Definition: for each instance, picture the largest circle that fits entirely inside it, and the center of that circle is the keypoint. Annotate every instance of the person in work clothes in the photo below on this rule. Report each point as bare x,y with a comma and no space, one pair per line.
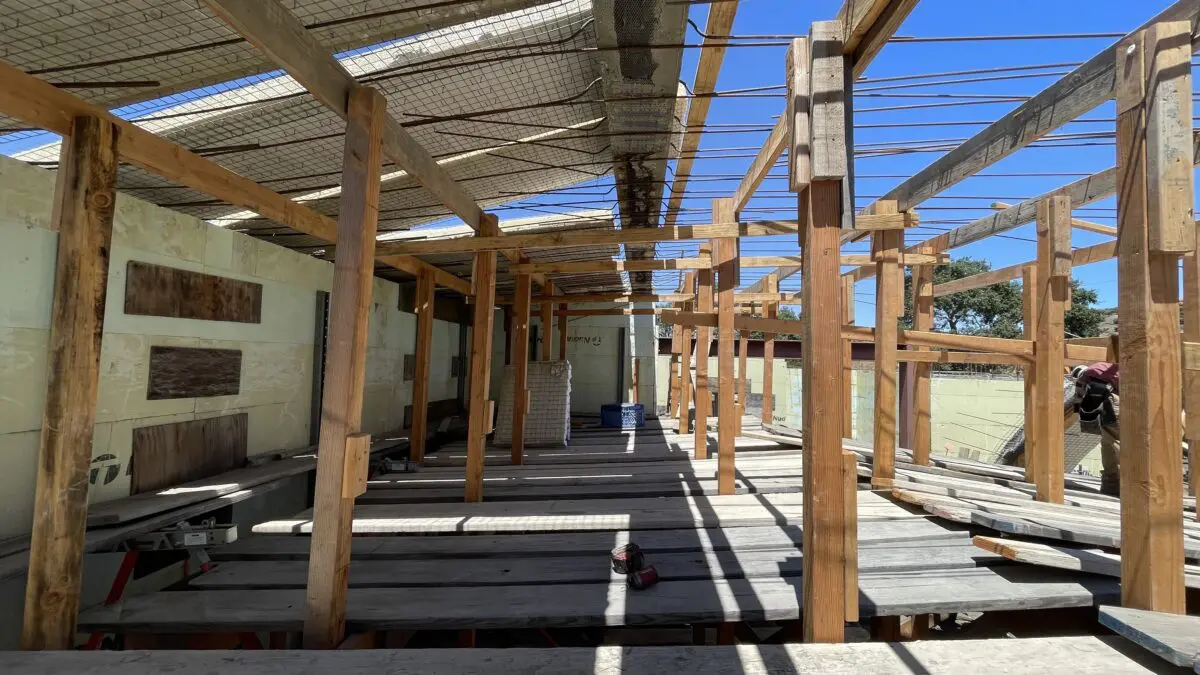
1096,386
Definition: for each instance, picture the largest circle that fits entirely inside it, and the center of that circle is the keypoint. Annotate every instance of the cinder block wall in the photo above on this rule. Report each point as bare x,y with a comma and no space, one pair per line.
277,354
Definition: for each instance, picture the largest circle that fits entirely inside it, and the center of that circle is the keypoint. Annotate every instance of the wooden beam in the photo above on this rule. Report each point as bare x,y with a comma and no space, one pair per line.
725,253
85,199
1085,225
867,25
519,341
280,36
742,361
885,246
824,579
345,366
1077,93
768,377
1191,377
925,358
704,305
1079,257
761,166
685,360
1148,313
922,303
546,320
415,266
562,332
798,114
1029,315
483,279
422,357
712,53
1053,293
592,266
918,338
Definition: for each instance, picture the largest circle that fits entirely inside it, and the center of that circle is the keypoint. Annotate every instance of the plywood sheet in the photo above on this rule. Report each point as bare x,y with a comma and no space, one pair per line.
169,454
191,372
155,290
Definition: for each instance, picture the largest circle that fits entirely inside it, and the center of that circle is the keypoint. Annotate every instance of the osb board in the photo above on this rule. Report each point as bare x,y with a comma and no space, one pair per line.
154,290
169,454
191,372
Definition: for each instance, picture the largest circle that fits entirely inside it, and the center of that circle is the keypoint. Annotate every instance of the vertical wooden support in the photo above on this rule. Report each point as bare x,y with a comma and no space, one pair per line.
345,365
1029,304
685,361
885,245
673,374
85,196
725,257
850,537
424,352
743,357
1153,122
546,320
562,332
922,443
848,359
704,303
1191,378
824,536
483,283
520,351
1053,291
768,377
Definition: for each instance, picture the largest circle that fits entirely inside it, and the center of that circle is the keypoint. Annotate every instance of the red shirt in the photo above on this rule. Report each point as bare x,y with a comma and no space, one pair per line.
1104,372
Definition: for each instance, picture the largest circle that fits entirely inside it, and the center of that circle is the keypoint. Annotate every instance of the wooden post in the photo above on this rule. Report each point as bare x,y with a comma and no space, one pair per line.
1191,378
685,360
885,245
424,352
562,332
768,378
85,196
922,288
673,374
850,508
824,535
848,359
1053,291
725,259
520,351
1154,116
704,303
345,366
743,356
1029,304
483,282
546,319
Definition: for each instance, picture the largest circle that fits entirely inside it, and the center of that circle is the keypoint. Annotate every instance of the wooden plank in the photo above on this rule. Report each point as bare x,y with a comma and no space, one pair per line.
847,360
704,305
283,39
580,605
768,376
945,340
885,246
423,355
712,52
1085,88
415,266
165,455
1151,386
799,114
853,563
868,25
725,253
1174,638
1084,654
767,155
1191,376
85,198
1029,309
519,344
1169,173
981,280
922,302
545,328
562,332
345,364
589,266
483,278
193,372
155,290
827,112
1091,560
687,335
358,451
1054,292
1076,223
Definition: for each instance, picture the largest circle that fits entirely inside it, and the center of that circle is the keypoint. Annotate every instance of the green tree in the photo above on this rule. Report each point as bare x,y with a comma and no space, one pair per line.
993,310
1084,318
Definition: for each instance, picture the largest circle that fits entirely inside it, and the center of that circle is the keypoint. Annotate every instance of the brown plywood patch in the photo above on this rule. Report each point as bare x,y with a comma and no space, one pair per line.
154,290
190,372
170,454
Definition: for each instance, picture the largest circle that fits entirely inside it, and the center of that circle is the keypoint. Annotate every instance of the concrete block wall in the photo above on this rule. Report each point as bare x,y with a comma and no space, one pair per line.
277,354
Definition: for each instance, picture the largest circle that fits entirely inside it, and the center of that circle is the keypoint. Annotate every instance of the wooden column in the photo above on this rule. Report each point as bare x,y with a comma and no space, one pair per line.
922,442
743,349
519,346
424,352
85,196
768,378
885,245
820,169
725,253
1154,215
673,374
1029,303
848,359
345,365
1053,291
547,326
704,303
483,283
685,360
1191,378
562,332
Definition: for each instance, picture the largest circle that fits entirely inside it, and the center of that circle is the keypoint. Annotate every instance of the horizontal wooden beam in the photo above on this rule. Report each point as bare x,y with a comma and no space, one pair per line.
773,326
610,311
707,319
975,358
767,155
600,266
441,277
867,25
1080,256
45,106
918,338
1076,223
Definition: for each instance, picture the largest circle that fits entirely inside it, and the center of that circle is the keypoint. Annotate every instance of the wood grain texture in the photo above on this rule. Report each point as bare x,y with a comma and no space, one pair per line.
1151,378
85,198
1174,638
166,455
827,112
703,403
1029,304
768,377
797,119
345,364
1054,293
1169,174
483,279
192,372
1090,560
562,332
824,515
885,246
847,359
922,284
685,361
155,290
724,251
546,327
519,346
423,356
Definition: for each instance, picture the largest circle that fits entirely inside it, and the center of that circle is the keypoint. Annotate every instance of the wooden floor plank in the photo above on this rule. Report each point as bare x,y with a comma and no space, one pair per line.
1092,561
1174,637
